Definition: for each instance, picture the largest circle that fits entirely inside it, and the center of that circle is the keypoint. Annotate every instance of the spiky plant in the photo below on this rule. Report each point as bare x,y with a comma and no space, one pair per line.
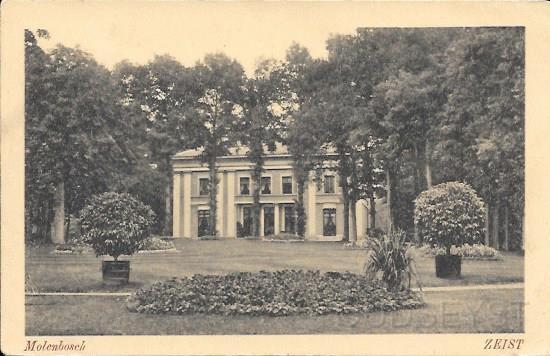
391,260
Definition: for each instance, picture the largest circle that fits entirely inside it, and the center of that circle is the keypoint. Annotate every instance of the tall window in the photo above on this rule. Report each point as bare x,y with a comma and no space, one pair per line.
245,185
289,219
329,184
203,222
287,185
203,186
266,185
329,222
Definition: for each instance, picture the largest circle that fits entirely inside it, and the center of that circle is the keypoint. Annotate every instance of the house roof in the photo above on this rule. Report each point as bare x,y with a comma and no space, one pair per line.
236,151
242,150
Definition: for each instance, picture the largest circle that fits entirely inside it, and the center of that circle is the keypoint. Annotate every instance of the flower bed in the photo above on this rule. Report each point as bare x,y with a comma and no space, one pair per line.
70,248
283,237
155,243
278,293
467,251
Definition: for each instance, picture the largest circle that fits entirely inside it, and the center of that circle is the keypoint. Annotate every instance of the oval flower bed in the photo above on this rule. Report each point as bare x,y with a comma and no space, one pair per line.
277,293
154,244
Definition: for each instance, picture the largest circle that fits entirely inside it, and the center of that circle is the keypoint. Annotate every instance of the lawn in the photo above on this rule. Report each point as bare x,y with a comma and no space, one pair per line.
473,311
77,273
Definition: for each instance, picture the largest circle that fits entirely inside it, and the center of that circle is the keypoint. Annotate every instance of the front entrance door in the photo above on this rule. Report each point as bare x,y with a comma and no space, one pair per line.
289,219
247,221
203,222
269,220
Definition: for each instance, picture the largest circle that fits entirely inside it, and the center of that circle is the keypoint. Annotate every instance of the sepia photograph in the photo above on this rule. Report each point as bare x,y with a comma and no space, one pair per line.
207,176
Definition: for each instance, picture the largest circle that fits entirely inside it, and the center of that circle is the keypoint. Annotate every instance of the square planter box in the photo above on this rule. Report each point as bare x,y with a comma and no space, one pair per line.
115,272
448,266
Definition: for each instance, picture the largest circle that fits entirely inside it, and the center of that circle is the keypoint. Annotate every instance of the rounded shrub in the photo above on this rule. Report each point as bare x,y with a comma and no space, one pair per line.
116,224
450,214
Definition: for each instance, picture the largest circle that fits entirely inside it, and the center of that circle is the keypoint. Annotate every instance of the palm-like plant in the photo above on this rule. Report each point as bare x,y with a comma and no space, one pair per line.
391,260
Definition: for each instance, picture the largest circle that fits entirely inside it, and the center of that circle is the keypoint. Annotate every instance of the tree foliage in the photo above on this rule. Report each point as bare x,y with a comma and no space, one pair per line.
450,214
116,224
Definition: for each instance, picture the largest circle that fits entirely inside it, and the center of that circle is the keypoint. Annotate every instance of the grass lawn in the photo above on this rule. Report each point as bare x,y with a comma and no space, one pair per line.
473,311
78,273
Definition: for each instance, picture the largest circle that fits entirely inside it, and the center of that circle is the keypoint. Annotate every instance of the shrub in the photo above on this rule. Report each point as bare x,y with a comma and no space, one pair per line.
390,259
154,243
449,214
115,224
270,293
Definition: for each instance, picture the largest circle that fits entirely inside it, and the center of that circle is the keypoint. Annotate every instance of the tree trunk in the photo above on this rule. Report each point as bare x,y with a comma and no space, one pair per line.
67,233
372,214
256,207
58,223
167,230
300,211
496,226
418,174
506,231
389,201
428,165
213,204
353,225
345,195
487,225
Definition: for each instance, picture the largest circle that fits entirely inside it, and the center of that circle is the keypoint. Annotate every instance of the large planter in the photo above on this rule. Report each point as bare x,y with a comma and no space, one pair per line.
448,266
115,272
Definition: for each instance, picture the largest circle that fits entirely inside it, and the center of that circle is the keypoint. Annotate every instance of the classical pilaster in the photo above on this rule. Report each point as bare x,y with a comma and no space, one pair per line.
187,204
277,227
231,220
176,207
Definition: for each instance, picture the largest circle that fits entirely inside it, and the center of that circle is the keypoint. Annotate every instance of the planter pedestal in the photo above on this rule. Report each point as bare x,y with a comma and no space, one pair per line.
115,272
448,266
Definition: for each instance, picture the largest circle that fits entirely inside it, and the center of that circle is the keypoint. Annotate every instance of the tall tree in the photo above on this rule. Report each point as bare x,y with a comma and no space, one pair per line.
73,138
156,97
265,104
484,122
220,81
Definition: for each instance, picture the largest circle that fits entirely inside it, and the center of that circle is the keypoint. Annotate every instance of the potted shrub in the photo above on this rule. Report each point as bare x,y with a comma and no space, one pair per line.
116,224
449,215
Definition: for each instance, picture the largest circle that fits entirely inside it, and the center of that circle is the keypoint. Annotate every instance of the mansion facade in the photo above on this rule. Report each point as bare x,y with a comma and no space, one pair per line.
323,201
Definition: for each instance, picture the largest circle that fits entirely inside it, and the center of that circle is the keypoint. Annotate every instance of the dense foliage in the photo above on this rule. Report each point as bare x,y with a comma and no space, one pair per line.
278,293
402,109
450,214
116,224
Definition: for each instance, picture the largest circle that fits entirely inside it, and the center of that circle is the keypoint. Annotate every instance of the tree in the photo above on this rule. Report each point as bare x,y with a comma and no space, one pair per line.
156,98
483,124
219,80
265,103
73,138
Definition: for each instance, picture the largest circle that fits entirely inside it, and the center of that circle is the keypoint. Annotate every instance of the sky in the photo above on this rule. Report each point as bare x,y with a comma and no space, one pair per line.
188,31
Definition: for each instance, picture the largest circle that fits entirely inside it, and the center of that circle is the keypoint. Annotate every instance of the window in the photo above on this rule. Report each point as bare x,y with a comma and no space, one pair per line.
204,222
244,227
329,184
203,186
266,185
287,185
329,222
289,219
245,185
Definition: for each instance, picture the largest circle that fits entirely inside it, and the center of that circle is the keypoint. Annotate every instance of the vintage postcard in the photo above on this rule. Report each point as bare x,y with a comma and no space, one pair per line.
321,178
